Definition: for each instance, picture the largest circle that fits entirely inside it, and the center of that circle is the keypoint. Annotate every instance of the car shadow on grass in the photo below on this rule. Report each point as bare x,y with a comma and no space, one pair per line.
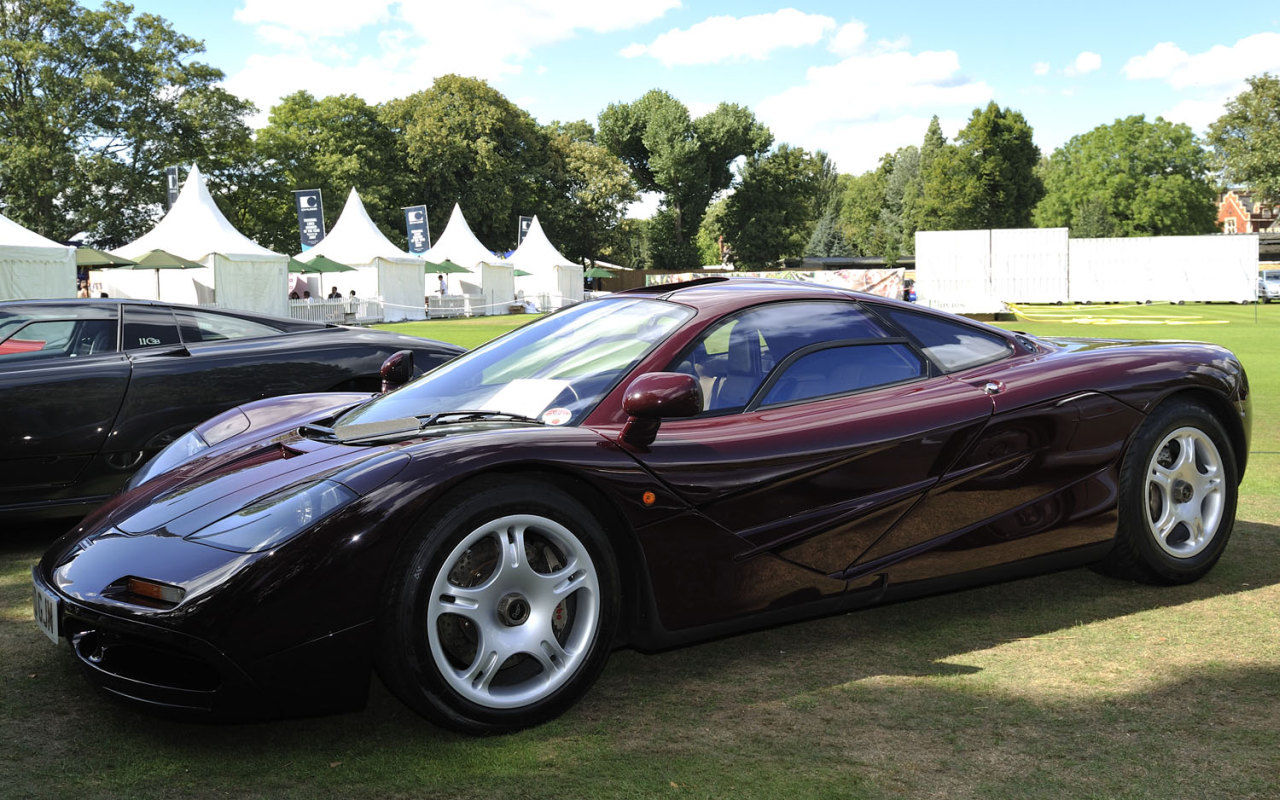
1062,684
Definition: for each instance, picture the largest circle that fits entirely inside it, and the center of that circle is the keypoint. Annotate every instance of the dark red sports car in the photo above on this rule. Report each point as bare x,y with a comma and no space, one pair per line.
653,468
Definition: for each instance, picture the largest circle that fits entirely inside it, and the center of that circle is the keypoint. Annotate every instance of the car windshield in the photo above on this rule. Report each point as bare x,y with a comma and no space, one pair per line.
554,370
1271,275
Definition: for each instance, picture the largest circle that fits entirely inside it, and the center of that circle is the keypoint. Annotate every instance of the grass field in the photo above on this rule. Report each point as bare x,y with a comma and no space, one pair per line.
465,332
1066,685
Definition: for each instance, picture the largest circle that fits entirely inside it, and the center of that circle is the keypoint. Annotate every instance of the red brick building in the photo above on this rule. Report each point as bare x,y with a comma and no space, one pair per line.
1238,212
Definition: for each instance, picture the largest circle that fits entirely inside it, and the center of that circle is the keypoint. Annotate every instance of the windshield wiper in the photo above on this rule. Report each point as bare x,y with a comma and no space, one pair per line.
448,417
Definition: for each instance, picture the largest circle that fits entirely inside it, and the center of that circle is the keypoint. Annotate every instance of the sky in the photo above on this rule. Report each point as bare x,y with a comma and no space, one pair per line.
853,79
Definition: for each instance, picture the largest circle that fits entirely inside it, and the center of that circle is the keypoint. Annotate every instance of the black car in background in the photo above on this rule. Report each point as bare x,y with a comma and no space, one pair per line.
90,389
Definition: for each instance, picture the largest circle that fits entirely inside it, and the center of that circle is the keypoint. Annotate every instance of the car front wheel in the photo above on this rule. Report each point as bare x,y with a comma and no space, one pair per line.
503,610
1178,491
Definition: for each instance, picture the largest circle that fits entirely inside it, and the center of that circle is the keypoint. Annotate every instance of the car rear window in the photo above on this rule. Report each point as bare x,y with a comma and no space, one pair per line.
203,326
953,345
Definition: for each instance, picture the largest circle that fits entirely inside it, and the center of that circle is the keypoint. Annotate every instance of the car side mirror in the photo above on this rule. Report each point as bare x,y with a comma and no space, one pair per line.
655,396
397,370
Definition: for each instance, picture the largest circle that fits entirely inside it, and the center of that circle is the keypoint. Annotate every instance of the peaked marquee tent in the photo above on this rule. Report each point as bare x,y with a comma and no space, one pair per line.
381,269
553,281
491,278
32,266
239,273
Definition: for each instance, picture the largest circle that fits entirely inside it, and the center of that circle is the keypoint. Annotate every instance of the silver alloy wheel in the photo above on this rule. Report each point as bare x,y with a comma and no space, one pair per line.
539,625
1184,492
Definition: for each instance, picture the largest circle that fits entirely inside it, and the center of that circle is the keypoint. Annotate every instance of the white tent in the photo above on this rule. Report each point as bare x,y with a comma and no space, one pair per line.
490,285
32,266
382,269
553,280
239,273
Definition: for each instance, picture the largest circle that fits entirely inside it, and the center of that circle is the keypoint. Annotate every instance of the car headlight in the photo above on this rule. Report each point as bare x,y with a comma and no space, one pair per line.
275,518
179,451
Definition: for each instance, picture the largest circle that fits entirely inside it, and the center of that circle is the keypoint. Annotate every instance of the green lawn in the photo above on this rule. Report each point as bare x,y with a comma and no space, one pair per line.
465,332
1066,685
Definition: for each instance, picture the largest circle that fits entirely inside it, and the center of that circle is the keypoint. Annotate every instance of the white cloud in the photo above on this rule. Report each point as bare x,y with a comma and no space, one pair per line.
1219,66
484,38
1085,63
1208,79
633,50
872,102
725,38
851,36
313,17
1041,68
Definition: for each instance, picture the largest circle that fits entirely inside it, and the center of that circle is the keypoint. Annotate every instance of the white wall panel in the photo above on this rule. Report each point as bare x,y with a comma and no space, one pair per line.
953,271
1029,265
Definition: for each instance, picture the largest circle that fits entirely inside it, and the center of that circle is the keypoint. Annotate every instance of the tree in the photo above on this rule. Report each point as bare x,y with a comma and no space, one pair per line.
93,105
772,213
687,160
1246,139
914,213
1129,178
465,142
333,144
828,239
593,188
710,233
987,179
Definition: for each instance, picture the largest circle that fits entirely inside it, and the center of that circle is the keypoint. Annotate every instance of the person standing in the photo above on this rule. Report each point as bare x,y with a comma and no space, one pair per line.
443,286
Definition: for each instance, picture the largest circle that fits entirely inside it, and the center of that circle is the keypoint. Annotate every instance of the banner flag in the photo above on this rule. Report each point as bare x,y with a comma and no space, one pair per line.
419,231
171,184
310,207
525,222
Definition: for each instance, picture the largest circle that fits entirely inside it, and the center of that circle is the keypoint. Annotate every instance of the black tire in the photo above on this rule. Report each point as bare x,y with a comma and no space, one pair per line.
1137,554
405,658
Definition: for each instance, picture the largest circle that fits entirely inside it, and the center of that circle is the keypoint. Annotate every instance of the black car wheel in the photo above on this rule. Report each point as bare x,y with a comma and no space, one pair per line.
502,609
1178,491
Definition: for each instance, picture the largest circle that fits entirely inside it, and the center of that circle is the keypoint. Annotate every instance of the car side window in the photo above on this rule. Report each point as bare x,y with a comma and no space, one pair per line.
954,345
147,326
202,326
731,359
841,370
57,337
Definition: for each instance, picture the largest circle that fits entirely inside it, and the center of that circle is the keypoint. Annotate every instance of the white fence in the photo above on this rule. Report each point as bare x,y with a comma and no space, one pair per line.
977,272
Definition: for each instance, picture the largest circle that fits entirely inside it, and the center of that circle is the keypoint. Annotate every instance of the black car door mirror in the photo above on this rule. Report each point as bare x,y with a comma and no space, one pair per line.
397,370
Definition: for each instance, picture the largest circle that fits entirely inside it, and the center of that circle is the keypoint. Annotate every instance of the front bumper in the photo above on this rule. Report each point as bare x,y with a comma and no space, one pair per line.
176,674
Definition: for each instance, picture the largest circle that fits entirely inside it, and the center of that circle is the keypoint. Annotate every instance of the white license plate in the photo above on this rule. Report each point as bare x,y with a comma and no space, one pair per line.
45,605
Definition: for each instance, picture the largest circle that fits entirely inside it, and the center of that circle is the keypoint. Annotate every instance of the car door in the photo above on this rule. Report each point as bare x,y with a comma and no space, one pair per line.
1040,464
820,430
61,383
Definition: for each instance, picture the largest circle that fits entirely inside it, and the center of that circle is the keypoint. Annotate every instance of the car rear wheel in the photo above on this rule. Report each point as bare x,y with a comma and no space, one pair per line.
1178,491
503,609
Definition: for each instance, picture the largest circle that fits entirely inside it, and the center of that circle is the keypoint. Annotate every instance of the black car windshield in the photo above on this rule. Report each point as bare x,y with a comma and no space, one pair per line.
554,370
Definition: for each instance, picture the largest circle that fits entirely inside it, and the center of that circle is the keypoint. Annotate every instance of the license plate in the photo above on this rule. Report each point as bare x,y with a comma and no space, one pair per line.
45,604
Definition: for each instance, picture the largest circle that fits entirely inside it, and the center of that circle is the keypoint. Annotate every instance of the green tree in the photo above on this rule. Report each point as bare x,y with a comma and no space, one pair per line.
465,142
592,190
988,178
772,213
333,144
828,238
687,160
914,213
710,232
93,105
1246,139
1132,177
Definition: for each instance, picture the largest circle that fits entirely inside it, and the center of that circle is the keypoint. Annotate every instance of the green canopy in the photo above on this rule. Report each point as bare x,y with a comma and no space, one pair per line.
519,273
597,272
161,259
158,260
89,257
444,267
318,263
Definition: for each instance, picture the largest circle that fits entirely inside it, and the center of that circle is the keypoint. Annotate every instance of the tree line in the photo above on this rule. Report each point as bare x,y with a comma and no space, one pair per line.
94,104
